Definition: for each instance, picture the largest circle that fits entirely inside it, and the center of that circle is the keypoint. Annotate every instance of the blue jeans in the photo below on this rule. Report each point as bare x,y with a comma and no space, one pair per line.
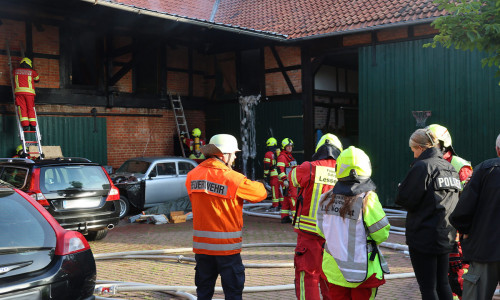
231,270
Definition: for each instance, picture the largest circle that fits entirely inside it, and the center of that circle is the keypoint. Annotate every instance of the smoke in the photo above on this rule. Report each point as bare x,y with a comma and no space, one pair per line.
247,128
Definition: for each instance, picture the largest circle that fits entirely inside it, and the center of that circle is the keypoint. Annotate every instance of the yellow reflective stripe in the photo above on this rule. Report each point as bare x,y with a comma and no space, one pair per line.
274,173
285,211
295,182
308,219
268,160
266,172
302,286
306,227
280,164
37,78
316,195
24,90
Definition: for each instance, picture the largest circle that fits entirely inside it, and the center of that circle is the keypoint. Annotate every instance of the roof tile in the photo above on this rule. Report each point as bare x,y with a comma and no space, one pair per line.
298,18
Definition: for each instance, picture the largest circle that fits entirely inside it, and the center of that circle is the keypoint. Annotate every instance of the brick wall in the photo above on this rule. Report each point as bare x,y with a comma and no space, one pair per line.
387,35
275,81
356,39
392,34
132,136
14,32
424,29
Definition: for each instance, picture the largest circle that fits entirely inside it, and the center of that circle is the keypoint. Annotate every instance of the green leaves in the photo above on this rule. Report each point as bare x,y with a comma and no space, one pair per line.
469,25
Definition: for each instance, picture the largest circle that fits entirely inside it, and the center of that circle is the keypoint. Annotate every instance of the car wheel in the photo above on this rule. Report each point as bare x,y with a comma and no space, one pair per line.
124,207
97,235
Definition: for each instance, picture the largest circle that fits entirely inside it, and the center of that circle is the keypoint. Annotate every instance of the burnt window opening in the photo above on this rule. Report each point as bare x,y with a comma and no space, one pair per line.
147,71
84,59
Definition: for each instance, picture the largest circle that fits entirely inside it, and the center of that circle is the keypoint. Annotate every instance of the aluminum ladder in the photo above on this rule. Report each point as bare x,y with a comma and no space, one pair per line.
22,134
180,120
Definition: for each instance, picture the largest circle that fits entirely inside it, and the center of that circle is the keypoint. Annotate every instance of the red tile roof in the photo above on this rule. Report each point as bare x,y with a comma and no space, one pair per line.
305,18
194,9
297,18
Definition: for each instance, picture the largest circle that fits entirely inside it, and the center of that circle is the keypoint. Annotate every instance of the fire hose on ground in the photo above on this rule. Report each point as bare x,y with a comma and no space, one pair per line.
113,287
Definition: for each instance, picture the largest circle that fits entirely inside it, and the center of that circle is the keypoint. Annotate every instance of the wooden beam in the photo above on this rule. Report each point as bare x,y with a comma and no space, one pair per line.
124,70
281,67
308,103
289,68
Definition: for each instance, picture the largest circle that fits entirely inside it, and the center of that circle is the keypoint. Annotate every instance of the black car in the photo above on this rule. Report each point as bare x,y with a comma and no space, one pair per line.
38,258
77,192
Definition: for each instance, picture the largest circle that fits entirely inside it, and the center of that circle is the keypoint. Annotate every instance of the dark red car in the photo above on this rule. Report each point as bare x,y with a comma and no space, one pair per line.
78,193
38,258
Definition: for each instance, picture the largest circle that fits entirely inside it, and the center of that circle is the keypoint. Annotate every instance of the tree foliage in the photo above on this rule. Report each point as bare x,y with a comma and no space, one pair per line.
469,25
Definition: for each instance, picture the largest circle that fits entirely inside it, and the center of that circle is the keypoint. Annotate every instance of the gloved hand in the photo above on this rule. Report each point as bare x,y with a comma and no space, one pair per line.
286,184
267,179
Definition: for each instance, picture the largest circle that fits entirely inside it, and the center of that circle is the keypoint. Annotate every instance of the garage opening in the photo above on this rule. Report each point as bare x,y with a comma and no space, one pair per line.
336,98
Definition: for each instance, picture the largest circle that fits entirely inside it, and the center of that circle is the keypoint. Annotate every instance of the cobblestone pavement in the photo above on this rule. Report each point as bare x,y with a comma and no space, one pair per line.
133,237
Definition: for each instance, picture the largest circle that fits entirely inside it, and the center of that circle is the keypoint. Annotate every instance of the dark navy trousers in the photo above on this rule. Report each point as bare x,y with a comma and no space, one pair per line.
231,270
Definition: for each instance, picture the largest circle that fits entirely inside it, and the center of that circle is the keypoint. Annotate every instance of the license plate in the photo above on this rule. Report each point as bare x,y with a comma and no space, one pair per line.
81,203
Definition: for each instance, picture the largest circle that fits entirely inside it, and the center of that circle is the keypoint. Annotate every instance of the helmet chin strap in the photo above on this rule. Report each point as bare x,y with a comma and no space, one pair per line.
228,160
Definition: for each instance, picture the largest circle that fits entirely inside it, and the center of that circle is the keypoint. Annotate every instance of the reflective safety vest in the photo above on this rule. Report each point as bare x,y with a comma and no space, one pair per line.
24,81
217,213
351,253
458,163
314,179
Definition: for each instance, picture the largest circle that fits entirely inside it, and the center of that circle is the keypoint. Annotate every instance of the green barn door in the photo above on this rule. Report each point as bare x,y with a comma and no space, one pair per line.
78,136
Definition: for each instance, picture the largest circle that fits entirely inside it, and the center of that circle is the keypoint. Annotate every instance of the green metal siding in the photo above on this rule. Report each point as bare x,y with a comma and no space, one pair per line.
75,135
225,118
405,77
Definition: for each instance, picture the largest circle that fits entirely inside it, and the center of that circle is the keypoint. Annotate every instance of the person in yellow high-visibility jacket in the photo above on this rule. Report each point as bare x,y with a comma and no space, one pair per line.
353,223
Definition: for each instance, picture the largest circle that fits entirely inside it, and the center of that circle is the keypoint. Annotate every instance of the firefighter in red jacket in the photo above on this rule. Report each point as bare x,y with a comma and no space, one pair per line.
271,171
285,164
195,145
313,178
464,169
24,79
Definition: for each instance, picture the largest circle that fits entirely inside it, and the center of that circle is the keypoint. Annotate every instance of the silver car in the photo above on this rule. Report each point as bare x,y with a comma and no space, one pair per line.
145,182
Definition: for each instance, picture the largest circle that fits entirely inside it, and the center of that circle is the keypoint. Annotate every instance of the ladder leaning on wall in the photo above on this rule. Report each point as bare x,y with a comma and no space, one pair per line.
22,134
180,120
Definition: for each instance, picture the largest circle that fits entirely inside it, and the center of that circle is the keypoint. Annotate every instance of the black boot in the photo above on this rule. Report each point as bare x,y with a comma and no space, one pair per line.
286,220
26,128
33,128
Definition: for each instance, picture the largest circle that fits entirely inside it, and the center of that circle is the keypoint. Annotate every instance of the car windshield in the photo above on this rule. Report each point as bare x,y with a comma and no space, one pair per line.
57,178
134,166
22,226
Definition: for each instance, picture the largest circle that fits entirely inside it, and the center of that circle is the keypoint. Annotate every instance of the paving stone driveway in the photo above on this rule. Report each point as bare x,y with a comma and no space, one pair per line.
133,237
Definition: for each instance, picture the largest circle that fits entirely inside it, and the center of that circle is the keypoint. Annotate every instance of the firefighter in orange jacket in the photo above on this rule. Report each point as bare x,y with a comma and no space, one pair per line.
271,171
216,193
285,164
313,178
24,90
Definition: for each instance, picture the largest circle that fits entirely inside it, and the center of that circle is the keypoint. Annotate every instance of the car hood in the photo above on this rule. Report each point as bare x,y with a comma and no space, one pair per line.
126,178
